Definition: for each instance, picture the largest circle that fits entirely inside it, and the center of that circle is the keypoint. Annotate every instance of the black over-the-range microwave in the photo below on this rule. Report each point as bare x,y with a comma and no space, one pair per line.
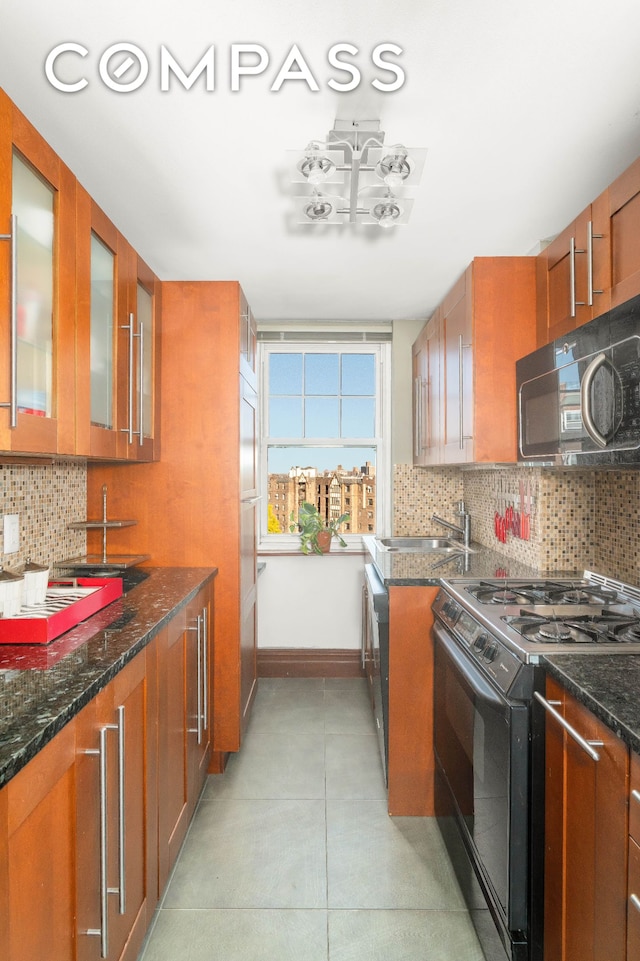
579,396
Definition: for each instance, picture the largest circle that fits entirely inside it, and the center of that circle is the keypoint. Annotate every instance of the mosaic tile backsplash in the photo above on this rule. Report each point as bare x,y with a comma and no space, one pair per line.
578,519
47,498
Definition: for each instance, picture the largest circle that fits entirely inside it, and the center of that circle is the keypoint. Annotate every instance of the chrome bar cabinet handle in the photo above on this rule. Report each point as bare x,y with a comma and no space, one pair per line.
417,426
635,900
12,403
573,250
587,746
590,238
140,336
129,428
205,667
461,348
122,900
197,730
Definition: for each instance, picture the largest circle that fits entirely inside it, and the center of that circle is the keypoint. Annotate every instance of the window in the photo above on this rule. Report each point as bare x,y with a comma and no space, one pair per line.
324,436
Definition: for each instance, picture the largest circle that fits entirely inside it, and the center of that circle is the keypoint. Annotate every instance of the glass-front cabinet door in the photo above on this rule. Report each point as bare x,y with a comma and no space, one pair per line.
137,381
99,247
37,287
117,307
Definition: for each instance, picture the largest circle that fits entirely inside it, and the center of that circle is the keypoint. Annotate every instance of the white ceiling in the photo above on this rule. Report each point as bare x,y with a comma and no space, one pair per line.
528,108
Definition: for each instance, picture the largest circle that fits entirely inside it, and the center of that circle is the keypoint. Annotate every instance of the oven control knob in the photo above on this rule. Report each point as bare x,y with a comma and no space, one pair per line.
490,652
480,643
451,609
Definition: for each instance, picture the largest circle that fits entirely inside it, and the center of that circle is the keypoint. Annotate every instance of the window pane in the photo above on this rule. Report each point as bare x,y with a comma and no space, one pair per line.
321,417
285,374
285,417
358,417
101,350
321,373
337,480
358,374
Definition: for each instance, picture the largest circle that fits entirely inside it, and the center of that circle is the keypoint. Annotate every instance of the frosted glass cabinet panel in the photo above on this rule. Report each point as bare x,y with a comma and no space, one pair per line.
33,202
103,263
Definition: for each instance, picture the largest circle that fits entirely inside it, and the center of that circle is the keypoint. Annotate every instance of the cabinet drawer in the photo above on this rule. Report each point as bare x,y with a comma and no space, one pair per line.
634,799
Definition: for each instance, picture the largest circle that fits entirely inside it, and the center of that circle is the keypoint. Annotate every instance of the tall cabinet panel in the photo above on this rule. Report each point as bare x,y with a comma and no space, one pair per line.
197,505
37,291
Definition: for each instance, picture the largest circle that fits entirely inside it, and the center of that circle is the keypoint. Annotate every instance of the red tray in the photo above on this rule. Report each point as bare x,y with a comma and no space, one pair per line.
40,624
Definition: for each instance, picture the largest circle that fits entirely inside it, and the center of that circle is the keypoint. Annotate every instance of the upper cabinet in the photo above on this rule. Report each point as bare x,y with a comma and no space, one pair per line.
464,364
426,393
79,314
138,360
117,342
248,342
37,291
594,264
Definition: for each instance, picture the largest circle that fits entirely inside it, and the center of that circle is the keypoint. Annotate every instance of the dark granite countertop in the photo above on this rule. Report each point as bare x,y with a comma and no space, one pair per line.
607,684
407,569
42,688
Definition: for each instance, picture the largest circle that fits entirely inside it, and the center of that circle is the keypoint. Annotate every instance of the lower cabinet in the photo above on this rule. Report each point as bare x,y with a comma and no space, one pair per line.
114,894
586,836
184,724
90,828
633,902
37,856
411,767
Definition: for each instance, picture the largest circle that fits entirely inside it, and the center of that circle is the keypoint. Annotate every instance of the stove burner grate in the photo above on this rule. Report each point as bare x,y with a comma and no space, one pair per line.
554,631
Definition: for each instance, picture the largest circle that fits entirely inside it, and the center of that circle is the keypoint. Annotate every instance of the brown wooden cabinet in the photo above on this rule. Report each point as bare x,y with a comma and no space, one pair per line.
40,191
594,264
585,856
621,225
114,380
411,767
37,856
116,896
184,723
427,378
633,891
137,385
485,323
198,505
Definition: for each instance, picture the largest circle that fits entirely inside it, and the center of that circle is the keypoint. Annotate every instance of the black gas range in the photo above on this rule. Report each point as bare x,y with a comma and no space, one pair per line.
489,638
529,618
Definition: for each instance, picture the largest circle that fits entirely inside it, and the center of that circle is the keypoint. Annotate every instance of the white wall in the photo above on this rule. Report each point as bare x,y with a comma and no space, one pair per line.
310,602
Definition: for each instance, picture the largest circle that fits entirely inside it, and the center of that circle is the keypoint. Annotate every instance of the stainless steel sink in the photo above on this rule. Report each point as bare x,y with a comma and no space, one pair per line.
422,545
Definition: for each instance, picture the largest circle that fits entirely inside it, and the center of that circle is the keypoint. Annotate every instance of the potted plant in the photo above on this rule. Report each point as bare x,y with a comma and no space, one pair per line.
316,533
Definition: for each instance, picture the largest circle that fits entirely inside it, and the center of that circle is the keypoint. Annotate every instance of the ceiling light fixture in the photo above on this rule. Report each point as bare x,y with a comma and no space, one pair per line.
360,175
387,213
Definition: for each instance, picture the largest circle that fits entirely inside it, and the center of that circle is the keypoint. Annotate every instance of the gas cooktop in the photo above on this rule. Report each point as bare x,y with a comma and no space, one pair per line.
593,614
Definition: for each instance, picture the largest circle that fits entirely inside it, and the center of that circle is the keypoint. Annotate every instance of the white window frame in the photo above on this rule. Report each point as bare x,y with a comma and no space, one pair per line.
286,543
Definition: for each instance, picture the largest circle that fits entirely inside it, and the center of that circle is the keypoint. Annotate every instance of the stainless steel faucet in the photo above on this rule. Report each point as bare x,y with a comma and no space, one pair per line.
464,529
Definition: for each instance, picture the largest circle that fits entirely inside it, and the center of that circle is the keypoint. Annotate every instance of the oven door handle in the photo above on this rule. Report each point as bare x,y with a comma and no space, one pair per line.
477,684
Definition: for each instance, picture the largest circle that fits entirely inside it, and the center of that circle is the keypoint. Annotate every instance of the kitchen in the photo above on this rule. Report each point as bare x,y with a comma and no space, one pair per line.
580,519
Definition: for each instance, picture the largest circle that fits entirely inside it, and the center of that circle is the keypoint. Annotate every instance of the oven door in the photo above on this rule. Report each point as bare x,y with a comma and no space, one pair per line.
482,751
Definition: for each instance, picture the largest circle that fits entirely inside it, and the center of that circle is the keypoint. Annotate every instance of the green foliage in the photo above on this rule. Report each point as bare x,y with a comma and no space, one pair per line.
309,524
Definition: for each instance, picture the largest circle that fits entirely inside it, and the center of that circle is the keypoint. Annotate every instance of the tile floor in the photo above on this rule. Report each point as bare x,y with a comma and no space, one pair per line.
291,855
